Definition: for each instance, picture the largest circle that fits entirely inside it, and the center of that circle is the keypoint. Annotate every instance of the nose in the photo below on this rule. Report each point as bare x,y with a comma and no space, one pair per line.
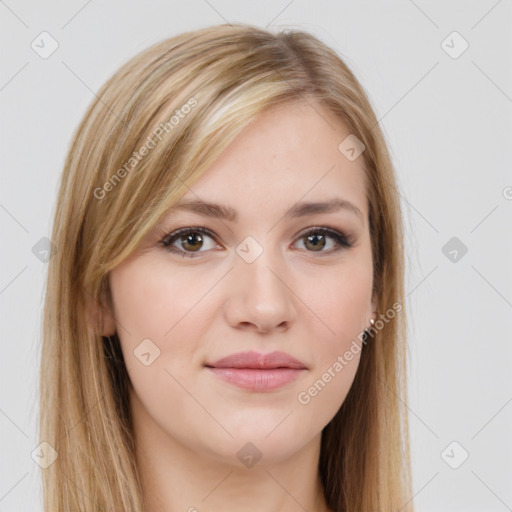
260,298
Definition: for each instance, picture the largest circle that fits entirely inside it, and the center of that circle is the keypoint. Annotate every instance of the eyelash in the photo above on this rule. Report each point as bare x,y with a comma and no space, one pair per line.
343,242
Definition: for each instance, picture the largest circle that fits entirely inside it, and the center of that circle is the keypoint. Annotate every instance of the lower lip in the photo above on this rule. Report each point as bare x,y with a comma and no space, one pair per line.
255,379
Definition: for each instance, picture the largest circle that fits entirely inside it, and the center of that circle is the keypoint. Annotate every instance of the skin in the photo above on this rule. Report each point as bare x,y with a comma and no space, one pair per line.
189,424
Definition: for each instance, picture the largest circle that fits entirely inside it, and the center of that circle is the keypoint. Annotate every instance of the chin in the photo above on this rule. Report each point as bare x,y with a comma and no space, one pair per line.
253,446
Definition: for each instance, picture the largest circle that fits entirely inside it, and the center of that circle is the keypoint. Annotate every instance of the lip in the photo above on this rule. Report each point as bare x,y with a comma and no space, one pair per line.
256,360
257,372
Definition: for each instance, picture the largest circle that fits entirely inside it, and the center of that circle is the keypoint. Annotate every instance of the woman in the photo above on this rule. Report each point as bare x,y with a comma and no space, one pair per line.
224,324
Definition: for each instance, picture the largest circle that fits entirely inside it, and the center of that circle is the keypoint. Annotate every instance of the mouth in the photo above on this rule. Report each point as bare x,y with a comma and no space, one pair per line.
257,372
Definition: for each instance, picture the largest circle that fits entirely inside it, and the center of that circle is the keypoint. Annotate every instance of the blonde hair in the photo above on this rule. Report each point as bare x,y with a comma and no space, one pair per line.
184,100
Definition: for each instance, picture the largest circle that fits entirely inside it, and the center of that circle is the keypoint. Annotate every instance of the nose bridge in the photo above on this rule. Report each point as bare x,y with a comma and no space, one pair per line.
260,295
258,274
253,266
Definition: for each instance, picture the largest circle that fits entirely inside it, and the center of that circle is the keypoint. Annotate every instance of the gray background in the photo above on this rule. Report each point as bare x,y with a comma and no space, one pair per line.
447,119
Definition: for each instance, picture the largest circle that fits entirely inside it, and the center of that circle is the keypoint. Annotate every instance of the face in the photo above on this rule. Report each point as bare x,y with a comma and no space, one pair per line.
264,271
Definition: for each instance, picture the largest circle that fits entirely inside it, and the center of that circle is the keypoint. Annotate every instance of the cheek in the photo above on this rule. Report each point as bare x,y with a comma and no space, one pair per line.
159,313
160,322
149,301
340,298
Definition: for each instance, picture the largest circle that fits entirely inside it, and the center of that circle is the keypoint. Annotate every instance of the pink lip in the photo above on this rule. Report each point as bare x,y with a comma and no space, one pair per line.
257,372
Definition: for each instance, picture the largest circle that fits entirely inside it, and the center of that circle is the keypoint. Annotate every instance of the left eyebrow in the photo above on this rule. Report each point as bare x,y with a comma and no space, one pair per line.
301,209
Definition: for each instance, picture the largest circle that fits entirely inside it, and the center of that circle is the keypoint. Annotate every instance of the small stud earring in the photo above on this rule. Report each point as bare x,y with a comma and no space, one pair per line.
366,333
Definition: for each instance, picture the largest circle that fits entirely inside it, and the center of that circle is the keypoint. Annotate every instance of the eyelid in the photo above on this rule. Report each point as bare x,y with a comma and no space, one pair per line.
323,228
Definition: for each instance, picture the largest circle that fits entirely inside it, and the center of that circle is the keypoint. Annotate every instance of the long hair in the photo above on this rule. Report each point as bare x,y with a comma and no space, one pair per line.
154,128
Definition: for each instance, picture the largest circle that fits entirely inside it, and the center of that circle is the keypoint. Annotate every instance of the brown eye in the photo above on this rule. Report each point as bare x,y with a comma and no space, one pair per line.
315,242
192,241
189,241
324,241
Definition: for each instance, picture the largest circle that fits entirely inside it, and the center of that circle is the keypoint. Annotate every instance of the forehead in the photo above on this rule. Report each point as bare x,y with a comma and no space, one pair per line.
287,154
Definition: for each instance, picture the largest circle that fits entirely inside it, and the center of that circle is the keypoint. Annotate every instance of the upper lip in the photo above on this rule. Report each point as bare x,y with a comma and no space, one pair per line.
257,360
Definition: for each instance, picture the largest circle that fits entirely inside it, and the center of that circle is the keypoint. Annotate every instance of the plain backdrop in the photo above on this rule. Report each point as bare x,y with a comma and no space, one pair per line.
439,77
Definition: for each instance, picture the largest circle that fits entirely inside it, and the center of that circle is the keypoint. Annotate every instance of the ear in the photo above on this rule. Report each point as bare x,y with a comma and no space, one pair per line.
100,315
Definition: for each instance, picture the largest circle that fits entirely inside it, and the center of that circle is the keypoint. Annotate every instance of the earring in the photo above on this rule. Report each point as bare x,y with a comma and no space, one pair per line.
366,334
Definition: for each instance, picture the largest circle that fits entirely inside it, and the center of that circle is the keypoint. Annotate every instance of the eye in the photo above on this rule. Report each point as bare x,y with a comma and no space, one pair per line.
317,239
192,241
188,241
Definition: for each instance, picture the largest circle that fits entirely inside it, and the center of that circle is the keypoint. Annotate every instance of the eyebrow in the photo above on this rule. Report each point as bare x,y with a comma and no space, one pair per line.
300,209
